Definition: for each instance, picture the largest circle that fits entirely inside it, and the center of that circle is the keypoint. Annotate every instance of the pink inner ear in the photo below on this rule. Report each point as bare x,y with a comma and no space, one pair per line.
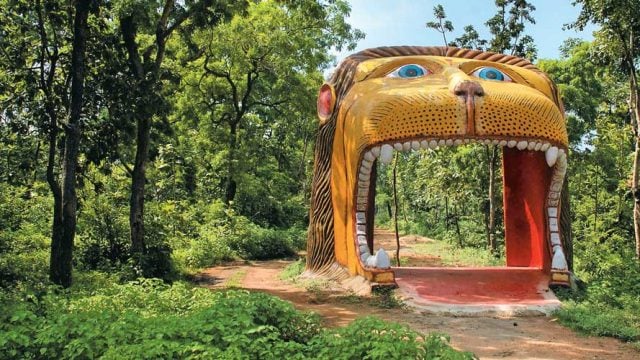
325,100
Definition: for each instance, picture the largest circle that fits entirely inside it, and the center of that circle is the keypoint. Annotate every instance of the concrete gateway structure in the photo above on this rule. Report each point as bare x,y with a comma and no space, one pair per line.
405,98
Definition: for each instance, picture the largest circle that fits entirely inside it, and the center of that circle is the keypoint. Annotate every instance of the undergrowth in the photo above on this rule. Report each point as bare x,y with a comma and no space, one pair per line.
149,319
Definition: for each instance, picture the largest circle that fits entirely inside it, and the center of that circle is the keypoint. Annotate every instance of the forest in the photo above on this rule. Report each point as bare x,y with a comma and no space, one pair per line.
143,141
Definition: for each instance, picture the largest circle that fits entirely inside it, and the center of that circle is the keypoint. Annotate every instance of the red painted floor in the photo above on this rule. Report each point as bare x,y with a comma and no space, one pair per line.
476,286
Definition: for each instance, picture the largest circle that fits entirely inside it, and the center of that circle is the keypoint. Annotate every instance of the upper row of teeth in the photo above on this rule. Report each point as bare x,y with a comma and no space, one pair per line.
385,152
553,156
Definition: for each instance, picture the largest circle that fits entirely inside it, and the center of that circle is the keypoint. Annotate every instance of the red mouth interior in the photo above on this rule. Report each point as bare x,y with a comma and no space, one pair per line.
526,180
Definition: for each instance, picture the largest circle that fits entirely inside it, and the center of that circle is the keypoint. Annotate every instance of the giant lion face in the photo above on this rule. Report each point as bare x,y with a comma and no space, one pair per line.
409,98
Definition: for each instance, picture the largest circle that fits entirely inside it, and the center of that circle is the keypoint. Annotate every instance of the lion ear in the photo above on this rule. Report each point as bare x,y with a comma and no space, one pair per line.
326,102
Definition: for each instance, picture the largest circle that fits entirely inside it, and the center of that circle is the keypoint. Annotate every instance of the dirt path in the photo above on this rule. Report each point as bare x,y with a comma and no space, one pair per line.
488,338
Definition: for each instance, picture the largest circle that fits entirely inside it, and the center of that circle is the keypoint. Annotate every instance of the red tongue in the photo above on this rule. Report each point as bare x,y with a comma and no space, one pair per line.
526,179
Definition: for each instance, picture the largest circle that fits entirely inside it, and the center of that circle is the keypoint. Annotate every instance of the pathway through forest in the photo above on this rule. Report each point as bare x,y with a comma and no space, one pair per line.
488,337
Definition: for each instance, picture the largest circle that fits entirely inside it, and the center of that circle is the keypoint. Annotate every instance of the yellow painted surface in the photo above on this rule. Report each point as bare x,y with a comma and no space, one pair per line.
379,109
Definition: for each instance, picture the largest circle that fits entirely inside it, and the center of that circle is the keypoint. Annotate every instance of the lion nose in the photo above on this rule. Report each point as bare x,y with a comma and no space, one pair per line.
468,88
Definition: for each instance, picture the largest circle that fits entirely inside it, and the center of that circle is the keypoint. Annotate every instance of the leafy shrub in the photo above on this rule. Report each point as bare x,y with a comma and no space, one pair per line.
24,235
372,338
103,234
150,319
254,242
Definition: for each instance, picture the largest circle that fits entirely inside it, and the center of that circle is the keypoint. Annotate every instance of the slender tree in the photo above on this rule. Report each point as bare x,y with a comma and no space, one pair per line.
62,248
145,70
441,24
618,44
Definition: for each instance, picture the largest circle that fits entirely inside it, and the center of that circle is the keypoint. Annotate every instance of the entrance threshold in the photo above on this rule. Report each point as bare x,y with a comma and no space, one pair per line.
479,291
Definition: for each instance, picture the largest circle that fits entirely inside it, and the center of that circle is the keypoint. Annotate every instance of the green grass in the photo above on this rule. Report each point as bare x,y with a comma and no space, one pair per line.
452,255
235,280
601,320
293,270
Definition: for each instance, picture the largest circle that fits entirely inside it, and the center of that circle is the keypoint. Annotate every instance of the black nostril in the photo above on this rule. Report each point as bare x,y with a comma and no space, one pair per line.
467,88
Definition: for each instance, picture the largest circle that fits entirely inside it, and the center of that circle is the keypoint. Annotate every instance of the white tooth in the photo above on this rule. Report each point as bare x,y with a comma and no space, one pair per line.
362,200
362,239
559,262
363,184
457,142
386,154
562,163
406,146
441,142
397,146
449,142
382,259
371,261
363,177
360,218
433,144
502,143
369,156
364,249
365,164
555,239
361,206
375,151
473,141
512,143
545,146
495,142
553,224
363,192
554,195
522,145
424,144
415,145
551,155
486,141
361,229
562,159
365,170
364,257
553,202
466,141
556,186
553,211
538,146
531,146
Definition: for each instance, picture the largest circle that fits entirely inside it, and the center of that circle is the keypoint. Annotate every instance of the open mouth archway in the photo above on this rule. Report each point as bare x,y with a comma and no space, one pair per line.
384,100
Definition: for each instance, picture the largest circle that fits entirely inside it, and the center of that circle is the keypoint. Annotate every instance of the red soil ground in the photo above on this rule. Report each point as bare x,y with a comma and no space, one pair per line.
534,337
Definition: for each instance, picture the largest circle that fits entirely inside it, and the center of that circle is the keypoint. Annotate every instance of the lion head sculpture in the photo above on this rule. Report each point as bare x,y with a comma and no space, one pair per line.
390,99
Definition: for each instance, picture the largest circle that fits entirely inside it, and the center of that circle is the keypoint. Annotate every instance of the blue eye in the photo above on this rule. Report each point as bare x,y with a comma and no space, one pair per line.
489,73
409,71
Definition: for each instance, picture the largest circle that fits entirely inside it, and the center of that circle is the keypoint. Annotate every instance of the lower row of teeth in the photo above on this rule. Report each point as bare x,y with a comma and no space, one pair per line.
556,158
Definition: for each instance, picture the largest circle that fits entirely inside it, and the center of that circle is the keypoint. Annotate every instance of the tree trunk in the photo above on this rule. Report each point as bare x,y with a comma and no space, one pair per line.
636,162
635,115
395,207
565,223
230,191
455,218
62,251
138,179
446,213
636,193
55,270
491,226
